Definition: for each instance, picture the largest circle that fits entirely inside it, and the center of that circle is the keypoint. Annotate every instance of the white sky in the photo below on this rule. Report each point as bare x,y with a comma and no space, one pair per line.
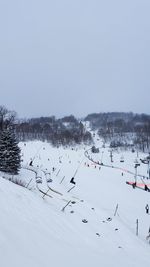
74,57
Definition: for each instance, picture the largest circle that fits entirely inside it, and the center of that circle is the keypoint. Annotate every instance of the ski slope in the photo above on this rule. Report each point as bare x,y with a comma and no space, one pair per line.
36,232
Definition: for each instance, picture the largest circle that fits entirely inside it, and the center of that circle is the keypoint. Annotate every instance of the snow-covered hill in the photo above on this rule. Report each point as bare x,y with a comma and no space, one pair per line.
35,232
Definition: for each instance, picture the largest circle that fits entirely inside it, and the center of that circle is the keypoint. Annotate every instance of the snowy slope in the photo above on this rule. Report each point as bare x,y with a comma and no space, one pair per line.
36,232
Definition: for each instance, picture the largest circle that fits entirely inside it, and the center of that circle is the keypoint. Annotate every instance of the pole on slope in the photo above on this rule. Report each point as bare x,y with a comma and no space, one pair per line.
111,156
135,176
137,227
116,210
29,183
45,193
62,180
78,168
58,173
63,209
70,189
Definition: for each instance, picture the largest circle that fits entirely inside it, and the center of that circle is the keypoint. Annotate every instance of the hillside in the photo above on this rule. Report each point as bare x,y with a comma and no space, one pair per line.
36,232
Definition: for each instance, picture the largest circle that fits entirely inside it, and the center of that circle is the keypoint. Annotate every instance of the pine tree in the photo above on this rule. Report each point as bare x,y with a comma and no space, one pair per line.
10,158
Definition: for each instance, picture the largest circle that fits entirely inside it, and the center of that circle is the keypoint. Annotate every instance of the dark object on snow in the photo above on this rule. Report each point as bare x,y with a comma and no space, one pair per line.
72,211
39,180
72,181
134,185
93,209
31,163
49,180
146,188
84,221
97,234
122,159
73,202
109,219
147,209
94,149
116,229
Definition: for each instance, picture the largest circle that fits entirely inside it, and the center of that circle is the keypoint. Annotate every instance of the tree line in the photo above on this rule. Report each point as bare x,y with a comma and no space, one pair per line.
65,131
122,129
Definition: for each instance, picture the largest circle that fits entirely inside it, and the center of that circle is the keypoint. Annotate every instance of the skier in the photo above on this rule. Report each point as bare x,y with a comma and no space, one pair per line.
146,188
31,163
147,209
72,181
134,185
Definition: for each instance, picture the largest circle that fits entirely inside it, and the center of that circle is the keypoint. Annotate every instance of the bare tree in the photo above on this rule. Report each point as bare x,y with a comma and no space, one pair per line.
7,118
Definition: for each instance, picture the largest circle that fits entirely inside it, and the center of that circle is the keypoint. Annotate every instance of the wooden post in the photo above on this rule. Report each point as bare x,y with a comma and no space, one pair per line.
116,210
137,227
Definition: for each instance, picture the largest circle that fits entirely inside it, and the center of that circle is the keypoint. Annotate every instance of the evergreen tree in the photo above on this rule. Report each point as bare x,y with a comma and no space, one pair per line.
10,158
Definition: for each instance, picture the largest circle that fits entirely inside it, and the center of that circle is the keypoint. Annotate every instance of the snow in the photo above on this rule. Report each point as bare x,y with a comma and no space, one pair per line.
36,232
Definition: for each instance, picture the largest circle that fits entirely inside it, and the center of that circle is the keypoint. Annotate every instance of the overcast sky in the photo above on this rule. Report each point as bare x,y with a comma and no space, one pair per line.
61,57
